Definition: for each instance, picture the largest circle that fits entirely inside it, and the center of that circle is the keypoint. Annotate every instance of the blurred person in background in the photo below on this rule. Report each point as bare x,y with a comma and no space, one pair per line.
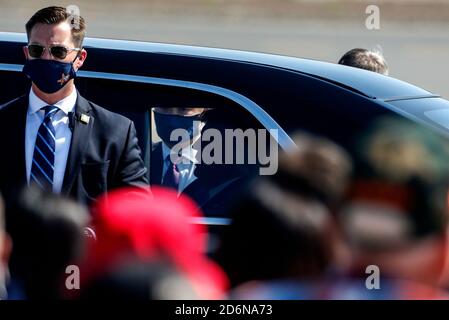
365,59
134,230
5,251
396,214
281,241
139,281
48,235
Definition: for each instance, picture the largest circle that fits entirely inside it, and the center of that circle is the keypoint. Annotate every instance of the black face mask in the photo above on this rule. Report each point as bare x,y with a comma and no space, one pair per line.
49,76
167,123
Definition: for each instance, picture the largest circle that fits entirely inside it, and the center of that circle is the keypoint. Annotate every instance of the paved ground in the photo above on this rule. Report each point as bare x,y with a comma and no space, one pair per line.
414,35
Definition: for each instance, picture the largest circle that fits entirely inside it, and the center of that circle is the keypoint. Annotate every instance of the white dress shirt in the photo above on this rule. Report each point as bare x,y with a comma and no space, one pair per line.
60,121
186,165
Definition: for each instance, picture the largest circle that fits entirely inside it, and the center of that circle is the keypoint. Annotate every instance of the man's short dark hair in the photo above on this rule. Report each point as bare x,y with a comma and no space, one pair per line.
55,15
365,59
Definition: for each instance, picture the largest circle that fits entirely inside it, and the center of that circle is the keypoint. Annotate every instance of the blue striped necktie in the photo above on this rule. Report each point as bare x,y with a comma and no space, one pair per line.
42,169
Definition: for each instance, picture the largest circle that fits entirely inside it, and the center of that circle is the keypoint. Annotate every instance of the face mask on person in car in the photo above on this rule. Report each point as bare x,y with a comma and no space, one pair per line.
49,76
167,123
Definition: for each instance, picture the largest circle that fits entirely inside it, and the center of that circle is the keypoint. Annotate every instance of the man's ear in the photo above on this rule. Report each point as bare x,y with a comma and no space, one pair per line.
25,52
79,61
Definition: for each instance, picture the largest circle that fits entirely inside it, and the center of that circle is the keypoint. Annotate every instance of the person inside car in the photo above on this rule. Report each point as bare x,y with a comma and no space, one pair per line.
175,168
55,138
176,161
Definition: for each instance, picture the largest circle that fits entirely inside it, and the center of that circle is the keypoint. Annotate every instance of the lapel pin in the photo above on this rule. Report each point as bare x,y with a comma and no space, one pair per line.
85,118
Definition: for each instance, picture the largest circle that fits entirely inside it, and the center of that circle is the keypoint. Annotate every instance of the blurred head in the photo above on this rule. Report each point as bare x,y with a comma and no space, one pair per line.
132,225
282,227
365,59
318,168
396,213
47,233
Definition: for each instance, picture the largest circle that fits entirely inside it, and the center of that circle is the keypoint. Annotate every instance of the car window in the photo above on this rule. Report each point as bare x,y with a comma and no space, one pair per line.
234,146
227,145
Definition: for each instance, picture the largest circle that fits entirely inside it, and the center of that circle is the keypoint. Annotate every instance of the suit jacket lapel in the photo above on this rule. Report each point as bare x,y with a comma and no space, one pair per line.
80,136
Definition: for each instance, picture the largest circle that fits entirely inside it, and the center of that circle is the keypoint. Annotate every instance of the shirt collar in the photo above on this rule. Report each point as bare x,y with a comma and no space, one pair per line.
188,152
66,105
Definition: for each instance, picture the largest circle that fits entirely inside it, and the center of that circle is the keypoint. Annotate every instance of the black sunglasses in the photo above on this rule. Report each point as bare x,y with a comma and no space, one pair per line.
57,51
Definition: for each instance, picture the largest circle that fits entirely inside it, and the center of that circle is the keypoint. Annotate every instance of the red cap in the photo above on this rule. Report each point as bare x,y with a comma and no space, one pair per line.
151,226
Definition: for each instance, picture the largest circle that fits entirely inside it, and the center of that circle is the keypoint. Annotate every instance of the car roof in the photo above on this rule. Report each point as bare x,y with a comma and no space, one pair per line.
370,84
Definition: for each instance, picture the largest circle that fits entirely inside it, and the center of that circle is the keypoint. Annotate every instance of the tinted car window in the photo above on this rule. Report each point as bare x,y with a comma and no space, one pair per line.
136,101
231,149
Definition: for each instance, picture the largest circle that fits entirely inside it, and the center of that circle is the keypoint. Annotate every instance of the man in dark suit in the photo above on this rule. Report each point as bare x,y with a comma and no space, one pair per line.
177,164
52,136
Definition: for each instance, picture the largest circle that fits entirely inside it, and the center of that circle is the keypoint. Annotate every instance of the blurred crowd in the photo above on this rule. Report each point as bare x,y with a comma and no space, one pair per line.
365,222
